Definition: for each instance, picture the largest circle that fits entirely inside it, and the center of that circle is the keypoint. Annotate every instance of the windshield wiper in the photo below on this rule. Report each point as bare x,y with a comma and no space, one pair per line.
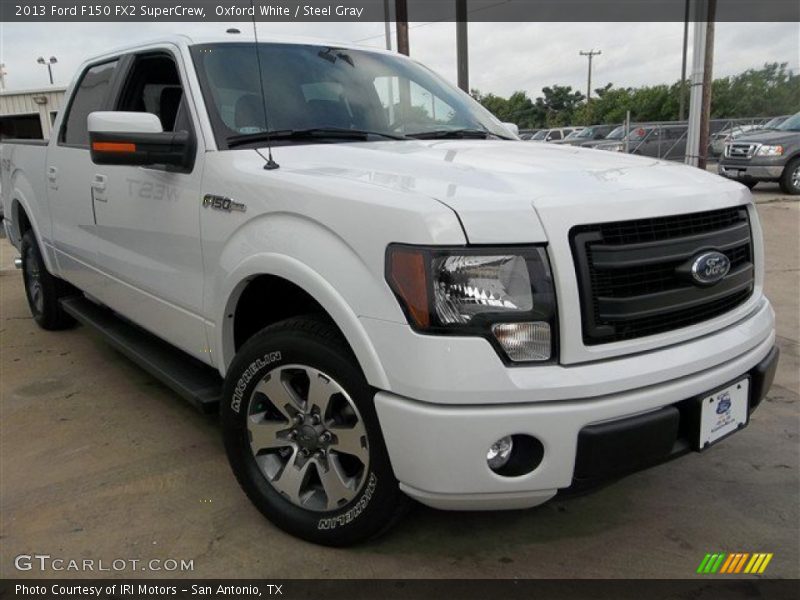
442,134
330,133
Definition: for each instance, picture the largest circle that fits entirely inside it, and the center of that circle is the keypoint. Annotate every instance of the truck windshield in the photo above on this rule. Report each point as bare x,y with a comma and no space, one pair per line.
331,92
790,124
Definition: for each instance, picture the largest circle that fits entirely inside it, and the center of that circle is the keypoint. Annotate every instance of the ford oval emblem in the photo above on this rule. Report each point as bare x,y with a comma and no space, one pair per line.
710,267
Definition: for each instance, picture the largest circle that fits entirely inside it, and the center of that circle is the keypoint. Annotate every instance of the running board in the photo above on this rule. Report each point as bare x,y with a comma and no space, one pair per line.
196,382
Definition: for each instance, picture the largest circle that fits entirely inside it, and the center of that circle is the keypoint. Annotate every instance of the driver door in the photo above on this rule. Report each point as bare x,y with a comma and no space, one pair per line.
148,222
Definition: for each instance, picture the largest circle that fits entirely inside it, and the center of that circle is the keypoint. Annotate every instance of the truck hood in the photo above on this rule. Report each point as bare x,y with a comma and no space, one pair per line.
502,190
769,137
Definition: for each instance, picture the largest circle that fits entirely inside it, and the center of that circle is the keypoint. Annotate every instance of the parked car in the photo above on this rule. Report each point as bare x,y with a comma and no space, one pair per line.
768,155
552,135
665,141
774,122
719,139
388,308
527,134
588,134
618,133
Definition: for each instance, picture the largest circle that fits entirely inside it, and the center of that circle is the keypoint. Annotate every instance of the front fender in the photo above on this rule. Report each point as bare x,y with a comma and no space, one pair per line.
316,260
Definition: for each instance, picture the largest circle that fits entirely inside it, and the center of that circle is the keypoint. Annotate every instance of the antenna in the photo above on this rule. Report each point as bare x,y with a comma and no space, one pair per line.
271,164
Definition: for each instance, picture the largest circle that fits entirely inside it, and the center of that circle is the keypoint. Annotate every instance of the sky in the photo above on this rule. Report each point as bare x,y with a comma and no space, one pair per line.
504,57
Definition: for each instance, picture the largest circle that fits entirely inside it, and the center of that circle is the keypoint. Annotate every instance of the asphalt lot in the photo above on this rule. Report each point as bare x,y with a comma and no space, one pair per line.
100,461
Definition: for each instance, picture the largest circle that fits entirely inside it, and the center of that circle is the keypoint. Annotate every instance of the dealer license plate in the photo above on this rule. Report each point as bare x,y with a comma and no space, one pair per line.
723,412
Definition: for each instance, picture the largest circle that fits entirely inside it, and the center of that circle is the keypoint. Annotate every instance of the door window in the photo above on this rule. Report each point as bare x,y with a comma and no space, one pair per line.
89,97
154,86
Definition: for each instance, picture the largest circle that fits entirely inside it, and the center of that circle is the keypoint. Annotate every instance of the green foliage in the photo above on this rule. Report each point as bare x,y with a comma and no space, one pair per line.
769,91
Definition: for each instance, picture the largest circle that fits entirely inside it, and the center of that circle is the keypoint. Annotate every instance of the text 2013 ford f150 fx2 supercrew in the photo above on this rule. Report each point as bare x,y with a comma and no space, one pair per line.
384,293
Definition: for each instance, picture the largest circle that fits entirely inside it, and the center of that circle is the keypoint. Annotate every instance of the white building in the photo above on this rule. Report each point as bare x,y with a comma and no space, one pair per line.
29,113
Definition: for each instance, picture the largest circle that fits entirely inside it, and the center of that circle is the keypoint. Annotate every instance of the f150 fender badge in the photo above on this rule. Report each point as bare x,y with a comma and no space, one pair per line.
222,203
710,268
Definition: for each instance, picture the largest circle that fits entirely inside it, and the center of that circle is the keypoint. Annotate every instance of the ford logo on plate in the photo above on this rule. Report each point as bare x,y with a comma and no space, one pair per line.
710,268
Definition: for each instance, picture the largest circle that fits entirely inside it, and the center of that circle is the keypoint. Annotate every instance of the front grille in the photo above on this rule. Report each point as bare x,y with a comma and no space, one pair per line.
740,150
633,276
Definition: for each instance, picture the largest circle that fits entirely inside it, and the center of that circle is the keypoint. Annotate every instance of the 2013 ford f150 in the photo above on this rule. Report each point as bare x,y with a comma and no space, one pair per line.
384,293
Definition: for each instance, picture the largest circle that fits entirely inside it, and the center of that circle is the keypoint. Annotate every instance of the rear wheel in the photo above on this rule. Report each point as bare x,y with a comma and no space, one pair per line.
42,289
303,438
790,179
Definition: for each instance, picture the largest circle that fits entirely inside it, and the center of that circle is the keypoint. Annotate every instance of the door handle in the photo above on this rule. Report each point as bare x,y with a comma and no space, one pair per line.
99,183
52,172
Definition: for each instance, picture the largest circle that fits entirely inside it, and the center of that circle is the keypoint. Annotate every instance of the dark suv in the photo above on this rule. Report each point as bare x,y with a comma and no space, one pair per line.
766,155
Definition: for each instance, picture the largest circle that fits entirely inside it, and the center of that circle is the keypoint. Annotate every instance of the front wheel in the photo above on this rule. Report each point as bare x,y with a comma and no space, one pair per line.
790,179
303,438
42,289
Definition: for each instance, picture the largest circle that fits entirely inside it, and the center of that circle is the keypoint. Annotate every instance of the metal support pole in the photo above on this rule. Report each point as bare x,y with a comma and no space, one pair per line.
627,131
387,27
462,45
682,86
696,89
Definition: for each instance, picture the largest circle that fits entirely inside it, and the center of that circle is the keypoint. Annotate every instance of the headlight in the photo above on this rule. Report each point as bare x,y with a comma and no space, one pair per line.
503,294
613,147
770,151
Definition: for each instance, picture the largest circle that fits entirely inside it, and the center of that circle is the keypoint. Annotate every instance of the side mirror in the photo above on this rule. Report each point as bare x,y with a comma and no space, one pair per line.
136,138
512,127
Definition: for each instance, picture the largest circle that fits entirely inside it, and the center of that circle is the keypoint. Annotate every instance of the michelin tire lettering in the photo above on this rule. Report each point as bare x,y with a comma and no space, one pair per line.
250,372
352,514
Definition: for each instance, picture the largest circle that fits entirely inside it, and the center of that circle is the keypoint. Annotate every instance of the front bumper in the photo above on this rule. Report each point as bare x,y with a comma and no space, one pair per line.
438,452
747,171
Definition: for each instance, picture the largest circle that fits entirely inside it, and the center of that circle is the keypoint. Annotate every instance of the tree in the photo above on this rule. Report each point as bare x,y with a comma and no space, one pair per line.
559,104
769,91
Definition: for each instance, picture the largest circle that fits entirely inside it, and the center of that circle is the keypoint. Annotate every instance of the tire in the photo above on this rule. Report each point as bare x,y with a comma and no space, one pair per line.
790,178
314,490
43,289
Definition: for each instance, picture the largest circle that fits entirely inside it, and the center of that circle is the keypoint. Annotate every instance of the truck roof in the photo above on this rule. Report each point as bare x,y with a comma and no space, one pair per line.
245,37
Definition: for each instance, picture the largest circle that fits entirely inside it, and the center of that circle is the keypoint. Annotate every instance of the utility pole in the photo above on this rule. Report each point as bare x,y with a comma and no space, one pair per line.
3,74
401,15
708,69
462,45
682,86
591,54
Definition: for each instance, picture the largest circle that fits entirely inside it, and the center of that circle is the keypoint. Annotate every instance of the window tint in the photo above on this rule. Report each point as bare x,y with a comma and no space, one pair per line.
555,135
89,97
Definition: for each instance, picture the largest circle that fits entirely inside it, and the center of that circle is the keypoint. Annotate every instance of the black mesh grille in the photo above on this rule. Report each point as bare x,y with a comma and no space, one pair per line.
630,267
664,228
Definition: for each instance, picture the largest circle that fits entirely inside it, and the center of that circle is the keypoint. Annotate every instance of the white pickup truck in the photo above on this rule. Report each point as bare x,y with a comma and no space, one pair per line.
383,292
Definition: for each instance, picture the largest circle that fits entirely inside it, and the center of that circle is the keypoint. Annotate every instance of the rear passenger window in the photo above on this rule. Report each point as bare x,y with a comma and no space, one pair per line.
89,97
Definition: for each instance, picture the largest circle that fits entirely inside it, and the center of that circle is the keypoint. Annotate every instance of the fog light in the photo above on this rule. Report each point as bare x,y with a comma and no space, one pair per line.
499,453
524,341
